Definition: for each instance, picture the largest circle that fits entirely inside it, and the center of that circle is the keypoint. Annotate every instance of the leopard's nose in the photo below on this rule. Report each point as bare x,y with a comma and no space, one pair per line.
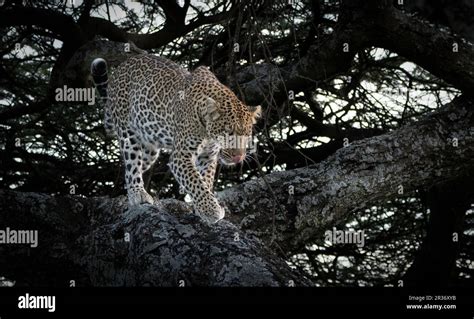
238,158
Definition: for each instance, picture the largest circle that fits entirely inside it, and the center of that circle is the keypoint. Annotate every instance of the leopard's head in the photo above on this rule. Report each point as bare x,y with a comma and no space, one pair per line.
231,124
227,119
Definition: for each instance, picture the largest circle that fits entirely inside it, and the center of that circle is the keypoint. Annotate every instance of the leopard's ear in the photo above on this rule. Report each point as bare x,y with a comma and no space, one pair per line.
212,112
256,112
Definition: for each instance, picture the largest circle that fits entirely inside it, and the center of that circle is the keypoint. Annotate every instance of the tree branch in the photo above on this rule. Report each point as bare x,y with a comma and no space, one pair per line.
370,170
439,51
61,24
85,240
364,24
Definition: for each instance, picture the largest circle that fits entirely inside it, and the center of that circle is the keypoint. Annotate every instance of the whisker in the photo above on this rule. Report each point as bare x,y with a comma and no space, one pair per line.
250,156
245,161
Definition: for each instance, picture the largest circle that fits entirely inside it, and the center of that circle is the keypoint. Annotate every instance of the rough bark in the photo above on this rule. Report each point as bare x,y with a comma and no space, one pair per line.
85,240
370,170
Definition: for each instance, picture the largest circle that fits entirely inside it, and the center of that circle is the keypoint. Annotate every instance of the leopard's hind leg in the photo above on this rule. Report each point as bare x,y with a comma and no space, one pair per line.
133,156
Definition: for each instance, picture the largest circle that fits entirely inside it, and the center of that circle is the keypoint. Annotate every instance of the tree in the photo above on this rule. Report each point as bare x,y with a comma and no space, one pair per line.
368,116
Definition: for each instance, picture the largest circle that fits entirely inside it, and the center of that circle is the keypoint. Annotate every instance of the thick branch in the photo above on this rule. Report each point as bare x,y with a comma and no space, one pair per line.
86,240
61,24
367,171
442,53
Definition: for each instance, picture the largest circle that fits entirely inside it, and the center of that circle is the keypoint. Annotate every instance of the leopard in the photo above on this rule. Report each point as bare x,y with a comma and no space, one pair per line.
152,104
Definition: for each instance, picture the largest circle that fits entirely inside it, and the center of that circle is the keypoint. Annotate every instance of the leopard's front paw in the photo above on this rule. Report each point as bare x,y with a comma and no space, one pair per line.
219,214
211,212
139,196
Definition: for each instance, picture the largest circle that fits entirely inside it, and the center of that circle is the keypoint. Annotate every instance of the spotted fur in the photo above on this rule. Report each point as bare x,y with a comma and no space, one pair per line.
153,104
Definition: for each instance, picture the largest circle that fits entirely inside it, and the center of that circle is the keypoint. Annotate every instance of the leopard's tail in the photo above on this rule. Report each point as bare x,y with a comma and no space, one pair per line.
101,79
